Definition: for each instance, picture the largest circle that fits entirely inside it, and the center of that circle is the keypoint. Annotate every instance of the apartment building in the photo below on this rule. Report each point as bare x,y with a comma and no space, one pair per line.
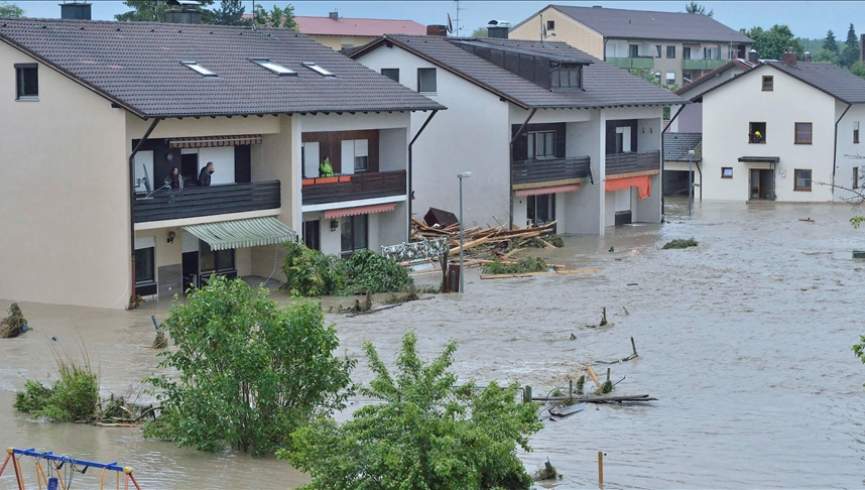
337,32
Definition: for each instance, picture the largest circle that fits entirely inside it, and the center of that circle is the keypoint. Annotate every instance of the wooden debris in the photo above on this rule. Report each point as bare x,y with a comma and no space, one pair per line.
495,242
630,357
598,398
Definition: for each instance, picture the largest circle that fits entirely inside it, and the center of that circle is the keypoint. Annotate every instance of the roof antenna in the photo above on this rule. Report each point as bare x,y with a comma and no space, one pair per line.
253,15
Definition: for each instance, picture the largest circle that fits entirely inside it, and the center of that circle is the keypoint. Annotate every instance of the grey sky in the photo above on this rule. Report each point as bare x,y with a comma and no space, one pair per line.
806,19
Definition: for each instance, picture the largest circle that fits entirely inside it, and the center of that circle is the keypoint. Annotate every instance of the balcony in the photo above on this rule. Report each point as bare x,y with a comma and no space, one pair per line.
638,63
324,190
538,171
705,64
193,202
623,163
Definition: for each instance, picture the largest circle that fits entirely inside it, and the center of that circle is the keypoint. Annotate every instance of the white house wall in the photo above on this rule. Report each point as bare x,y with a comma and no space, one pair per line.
849,154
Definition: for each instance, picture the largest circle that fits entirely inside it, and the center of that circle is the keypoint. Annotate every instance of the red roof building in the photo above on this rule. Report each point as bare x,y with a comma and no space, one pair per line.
345,32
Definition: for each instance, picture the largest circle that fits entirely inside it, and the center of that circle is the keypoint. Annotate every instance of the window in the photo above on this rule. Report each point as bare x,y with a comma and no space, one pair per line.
27,81
426,80
551,25
566,77
726,172
542,145
358,151
353,231
757,133
633,50
686,52
658,51
274,67
392,73
802,180
197,68
802,133
671,78
855,177
218,261
318,69
671,52
541,208
768,83
145,271
856,132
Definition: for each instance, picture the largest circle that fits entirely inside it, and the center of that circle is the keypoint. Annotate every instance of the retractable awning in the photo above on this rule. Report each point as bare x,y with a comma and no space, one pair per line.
357,211
212,141
242,233
760,159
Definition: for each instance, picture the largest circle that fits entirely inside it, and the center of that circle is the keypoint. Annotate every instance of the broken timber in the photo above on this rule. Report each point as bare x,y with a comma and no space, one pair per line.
596,398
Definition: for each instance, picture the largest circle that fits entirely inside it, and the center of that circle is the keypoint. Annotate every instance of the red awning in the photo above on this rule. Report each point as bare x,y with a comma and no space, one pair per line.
341,213
548,190
643,183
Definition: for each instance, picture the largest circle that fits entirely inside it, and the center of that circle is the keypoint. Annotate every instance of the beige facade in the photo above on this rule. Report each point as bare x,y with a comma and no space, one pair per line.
339,42
566,30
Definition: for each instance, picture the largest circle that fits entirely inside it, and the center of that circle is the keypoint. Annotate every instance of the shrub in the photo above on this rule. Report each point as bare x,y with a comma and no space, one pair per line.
425,432
524,265
74,397
680,243
368,272
309,272
249,372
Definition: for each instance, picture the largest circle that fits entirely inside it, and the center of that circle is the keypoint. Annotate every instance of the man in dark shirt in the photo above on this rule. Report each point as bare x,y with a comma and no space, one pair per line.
204,175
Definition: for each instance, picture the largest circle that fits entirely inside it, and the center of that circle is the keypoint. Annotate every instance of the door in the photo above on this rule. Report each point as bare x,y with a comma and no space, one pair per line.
189,267
143,166
243,164
312,234
189,167
311,162
541,209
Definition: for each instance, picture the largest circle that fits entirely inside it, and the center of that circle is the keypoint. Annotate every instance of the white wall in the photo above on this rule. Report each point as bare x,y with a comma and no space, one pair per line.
392,149
726,114
849,154
585,206
471,135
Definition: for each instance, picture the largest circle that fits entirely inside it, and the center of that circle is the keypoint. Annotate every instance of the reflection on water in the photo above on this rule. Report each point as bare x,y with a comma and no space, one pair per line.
745,340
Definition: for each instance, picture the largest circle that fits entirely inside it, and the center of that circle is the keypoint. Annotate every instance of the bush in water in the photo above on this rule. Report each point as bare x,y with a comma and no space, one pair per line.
369,272
74,397
309,272
425,431
250,372
524,265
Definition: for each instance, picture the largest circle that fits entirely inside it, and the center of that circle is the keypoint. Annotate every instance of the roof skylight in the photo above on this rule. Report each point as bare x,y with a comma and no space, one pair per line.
274,67
318,69
197,68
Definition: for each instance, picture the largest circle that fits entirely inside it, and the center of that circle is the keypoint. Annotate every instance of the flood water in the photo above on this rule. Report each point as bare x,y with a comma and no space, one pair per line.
745,340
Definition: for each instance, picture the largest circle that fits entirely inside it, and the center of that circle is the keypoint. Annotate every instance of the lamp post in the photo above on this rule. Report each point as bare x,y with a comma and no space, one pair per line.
461,176
690,181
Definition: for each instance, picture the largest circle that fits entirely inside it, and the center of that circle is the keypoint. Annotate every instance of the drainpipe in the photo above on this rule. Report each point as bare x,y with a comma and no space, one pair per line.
661,180
510,168
132,203
835,147
410,172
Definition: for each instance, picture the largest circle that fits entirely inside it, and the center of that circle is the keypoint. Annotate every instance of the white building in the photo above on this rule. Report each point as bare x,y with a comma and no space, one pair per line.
786,131
548,132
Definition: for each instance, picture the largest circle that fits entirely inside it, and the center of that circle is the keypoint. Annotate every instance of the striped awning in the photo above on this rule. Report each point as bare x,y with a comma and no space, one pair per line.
357,211
252,232
211,141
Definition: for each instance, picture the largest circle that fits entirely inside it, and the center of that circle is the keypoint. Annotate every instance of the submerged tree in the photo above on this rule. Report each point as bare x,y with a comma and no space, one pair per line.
250,372
10,10
696,8
423,431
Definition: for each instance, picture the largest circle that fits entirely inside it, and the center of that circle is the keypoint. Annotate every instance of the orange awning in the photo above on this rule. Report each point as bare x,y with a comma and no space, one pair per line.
341,213
643,183
548,190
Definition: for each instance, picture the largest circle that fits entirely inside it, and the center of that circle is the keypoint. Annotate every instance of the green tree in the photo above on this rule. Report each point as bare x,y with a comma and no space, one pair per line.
10,10
696,8
480,32
858,69
850,54
229,13
424,432
830,44
773,43
154,11
249,372
276,17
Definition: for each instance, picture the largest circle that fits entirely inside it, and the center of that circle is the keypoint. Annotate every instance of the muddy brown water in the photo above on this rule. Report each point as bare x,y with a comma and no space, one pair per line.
745,340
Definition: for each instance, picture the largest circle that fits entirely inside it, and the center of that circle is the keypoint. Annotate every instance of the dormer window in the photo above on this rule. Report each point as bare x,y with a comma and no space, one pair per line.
566,76
318,69
274,67
197,68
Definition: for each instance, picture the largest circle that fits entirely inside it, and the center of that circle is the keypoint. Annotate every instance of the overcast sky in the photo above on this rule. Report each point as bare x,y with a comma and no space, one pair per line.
806,19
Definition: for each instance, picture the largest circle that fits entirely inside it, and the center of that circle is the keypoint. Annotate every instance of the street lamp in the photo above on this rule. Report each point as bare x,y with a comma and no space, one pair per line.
690,181
461,176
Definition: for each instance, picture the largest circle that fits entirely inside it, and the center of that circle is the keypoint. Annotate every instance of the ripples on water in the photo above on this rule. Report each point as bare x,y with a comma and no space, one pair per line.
745,340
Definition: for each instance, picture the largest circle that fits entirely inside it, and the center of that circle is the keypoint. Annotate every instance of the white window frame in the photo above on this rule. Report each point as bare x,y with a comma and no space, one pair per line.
198,68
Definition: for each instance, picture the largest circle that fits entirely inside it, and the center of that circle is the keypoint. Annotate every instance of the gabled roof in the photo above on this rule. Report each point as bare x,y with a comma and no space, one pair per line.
646,24
137,65
676,146
825,77
346,26
737,63
604,85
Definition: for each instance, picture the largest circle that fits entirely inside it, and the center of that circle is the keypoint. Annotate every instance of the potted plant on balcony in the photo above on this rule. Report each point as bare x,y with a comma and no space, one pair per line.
325,171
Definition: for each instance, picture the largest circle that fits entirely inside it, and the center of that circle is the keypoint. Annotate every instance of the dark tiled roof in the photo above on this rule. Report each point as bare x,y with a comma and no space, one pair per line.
604,85
832,79
645,24
559,52
137,65
676,146
740,64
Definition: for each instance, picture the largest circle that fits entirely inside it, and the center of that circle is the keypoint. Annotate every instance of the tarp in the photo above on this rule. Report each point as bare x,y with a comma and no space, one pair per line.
252,232
643,183
359,210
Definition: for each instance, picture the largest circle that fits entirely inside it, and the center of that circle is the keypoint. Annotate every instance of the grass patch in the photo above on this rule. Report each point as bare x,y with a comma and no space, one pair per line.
74,397
524,265
680,243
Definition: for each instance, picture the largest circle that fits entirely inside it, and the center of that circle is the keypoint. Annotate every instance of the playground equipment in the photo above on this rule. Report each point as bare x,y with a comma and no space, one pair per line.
59,470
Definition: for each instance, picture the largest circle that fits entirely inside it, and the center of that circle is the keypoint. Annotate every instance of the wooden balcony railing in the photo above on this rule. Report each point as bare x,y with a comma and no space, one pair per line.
193,202
534,171
621,163
354,187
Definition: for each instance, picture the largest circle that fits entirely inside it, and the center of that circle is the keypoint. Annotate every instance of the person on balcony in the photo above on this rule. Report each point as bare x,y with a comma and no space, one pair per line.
176,179
204,175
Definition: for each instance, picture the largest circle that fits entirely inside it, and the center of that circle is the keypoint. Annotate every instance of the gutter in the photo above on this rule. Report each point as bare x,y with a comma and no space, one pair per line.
131,204
410,170
835,147
510,169
661,180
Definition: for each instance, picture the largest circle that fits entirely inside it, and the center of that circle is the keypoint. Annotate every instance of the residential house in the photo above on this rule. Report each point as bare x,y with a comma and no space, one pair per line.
674,47
785,130
108,126
338,32
549,132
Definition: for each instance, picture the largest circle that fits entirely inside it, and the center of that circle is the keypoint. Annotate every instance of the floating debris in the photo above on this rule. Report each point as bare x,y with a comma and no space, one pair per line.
13,325
680,243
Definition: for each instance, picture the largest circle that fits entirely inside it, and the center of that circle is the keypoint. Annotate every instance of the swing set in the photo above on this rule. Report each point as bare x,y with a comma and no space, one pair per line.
59,470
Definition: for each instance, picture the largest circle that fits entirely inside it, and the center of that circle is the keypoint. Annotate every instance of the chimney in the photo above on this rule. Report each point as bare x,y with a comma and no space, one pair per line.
498,30
789,58
75,10
436,30
753,57
183,14
333,15
806,56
